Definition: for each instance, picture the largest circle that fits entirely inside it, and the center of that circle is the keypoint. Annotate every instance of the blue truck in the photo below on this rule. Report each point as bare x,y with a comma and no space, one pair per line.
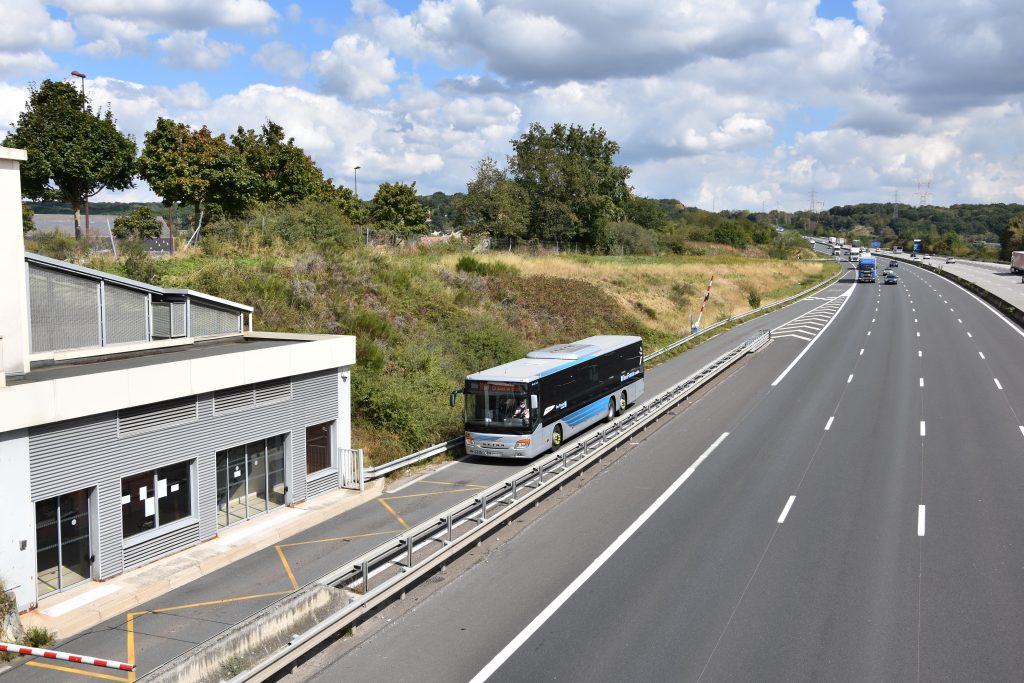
866,269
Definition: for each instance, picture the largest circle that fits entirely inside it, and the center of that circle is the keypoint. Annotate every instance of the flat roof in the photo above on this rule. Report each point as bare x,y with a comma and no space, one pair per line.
42,371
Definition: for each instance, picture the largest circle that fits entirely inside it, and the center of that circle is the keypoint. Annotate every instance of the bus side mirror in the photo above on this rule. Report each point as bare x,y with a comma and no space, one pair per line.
533,401
451,397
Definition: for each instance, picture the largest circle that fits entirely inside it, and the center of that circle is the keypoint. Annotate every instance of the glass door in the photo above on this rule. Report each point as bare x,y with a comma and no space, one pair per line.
250,480
63,547
257,479
236,484
275,472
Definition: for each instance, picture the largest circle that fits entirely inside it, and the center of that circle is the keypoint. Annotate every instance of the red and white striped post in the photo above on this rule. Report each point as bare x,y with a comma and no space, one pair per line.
65,656
707,295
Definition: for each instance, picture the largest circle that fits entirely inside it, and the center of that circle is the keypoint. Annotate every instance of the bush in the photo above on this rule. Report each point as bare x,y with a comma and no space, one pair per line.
754,299
38,636
137,264
630,238
57,245
469,264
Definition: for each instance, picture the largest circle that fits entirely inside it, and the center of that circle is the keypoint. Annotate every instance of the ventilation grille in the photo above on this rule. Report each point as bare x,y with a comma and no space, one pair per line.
207,320
64,310
124,315
232,399
163,545
168,319
323,484
276,390
252,394
156,416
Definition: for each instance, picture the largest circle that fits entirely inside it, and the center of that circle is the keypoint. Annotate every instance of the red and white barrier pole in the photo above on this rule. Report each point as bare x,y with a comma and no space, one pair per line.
65,656
707,295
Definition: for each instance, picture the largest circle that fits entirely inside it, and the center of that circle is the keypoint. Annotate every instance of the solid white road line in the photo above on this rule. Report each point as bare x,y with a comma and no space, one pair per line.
828,424
982,355
920,520
567,593
998,385
922,427
849,379
785,510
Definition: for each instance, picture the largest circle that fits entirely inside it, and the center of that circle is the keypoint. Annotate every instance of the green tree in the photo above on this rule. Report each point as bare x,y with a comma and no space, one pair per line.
573,184
137,225
26,218
195,168
73,152
1012,238
396,209
493,203
282,172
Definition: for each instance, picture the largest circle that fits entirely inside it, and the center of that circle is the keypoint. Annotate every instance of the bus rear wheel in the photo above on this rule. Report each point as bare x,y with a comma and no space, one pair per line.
556,438
623,403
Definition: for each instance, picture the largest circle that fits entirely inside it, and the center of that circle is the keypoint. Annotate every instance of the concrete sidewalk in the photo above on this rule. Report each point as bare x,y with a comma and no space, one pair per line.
94,602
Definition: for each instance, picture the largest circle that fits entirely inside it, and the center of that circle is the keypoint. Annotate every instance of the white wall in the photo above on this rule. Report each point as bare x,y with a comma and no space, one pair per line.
344,423
14,298
17,566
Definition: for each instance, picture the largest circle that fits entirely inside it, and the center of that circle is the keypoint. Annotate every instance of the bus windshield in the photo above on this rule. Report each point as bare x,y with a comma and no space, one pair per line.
497,404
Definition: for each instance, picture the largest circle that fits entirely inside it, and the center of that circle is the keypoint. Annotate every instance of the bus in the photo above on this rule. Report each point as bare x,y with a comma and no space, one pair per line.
532,405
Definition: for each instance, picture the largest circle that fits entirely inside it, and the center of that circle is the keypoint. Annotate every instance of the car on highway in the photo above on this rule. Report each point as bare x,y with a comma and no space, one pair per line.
894,264
950,260
926,257
889,277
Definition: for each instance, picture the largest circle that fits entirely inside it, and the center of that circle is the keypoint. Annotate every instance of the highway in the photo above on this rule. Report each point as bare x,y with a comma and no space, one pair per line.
844,506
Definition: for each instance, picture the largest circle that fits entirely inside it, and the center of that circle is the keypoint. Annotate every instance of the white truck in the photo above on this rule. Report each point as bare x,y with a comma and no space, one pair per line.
854,254
1017,262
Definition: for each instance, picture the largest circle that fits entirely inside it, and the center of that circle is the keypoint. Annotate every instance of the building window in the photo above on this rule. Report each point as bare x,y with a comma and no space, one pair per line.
156,498
318,447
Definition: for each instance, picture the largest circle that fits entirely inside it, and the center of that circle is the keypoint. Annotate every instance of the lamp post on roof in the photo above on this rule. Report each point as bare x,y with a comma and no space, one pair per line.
79,74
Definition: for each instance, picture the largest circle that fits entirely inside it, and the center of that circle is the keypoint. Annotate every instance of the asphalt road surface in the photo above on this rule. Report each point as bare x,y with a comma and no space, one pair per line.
854,516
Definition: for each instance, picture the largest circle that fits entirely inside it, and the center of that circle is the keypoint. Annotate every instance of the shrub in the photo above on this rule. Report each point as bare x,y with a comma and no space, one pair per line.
469,264
38,636
754,299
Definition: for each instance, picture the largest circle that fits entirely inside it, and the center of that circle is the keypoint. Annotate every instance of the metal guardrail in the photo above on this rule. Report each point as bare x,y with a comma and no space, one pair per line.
438,449
388,569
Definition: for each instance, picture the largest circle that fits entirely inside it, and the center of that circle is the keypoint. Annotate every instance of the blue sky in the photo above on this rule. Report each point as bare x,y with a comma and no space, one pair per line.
736,104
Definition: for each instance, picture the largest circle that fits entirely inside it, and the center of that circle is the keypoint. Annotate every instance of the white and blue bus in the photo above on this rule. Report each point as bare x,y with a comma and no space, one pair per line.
528,406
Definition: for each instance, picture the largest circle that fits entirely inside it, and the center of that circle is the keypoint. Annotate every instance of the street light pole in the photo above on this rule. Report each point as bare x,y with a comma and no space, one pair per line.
79,74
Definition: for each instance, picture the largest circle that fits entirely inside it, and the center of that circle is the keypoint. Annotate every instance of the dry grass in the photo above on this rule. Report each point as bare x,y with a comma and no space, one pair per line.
662,292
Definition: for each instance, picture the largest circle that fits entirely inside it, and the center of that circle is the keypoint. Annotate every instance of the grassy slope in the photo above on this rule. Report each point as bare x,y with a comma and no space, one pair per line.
422,324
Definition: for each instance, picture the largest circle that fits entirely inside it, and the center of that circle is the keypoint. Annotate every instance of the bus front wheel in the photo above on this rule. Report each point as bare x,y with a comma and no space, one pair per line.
556,438
611,410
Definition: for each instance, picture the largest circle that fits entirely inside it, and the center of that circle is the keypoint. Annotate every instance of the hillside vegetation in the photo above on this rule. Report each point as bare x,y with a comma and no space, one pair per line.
426,318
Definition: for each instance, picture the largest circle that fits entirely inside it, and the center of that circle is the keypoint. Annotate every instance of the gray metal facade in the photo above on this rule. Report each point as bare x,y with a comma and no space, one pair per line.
93,453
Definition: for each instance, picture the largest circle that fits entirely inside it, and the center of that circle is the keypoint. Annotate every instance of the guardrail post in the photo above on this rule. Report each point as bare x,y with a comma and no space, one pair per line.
515,489
564,467
483,508
408,551
366,577
362,478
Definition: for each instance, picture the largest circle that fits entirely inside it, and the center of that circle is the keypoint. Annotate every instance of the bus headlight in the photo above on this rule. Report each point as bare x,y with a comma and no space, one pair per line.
522,443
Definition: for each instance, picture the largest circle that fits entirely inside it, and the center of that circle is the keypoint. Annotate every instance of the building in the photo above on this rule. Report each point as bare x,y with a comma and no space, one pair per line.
136,420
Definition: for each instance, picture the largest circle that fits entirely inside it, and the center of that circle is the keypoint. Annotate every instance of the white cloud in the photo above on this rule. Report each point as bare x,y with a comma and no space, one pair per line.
196,50
21,64
355,67
280,58
27,27
294,12
113,37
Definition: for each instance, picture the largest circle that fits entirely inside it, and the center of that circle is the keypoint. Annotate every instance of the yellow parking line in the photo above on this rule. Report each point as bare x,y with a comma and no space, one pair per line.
432,493
392,511
213,602
67,669
450,483
338,538
287,569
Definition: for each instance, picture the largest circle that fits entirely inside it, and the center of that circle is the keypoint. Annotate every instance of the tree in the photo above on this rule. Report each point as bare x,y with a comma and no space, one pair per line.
493,203
73,152
26,218
137,225
1012,238
573,184
196,168
281,171
396,209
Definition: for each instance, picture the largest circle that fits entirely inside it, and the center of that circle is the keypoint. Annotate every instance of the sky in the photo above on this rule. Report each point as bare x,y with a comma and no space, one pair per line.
731,104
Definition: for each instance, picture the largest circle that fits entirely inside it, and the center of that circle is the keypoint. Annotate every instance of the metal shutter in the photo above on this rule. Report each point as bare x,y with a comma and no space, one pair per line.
156,416
232,399
124,314
207,320
275,390
63,309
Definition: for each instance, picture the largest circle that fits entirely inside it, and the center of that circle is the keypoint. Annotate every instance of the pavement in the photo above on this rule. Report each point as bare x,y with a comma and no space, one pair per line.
80,608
